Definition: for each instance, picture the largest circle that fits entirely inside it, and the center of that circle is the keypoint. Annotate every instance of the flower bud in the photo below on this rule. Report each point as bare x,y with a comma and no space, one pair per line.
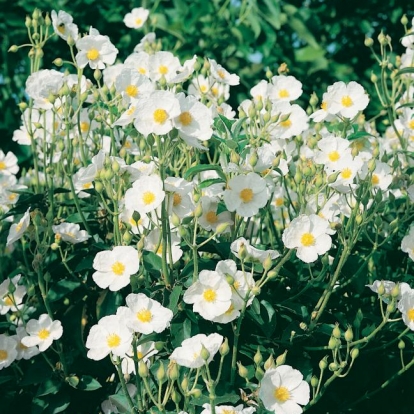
159,346
13,49
354,353
323,363
184,384
242,370
259,373
281,359
401,344
224,348
196,393
256,291
258,358
205,354
313,101
272,275
336,332
314,381
333,343
333,366
270,363
22,106
253,159
160,374
404,20
371,165
349,334
222,227
127,237
395,291
142,369
368,42
359,219
97,74
175,396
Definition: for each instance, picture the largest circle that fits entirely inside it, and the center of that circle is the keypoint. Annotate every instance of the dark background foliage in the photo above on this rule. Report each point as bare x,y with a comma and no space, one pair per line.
320,40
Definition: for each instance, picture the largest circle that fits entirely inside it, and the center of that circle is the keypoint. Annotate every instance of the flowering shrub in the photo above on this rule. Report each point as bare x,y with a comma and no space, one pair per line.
166,253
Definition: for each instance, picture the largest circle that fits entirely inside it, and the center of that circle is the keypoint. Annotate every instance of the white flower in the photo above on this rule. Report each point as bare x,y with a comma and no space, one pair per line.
163,65
42,332
387,286
8,300
252,253
179,200
63,25
228,409
109,335
407,243
24,352
285,88
144,315
71,233
210,220
221,75
132,85
406,307
156,113
308,234
8,163
136,18
282,389
210,295
114,267
334,153
146,194
292,120
8,352
347,99
144,352
17,229
246,194
95,50
188,354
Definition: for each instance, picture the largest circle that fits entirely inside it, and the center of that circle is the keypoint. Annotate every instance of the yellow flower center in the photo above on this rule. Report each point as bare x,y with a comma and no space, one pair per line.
159,250
410,314
142,71
281,394
214,91
185,118
177,199
209,295
86,186
43,334
375,179
84,126
118,268
324,106
3,355
221,74
8,301
163,70
286,124
144,315
148,197
3,165
203,88
347,101
307,239
131,91
92,54
346,173
279,202
61,28
140,355
130,111
113,340
411,124
283,93
228,312
160,116
138,21
246,195
334,156
229,411
211,217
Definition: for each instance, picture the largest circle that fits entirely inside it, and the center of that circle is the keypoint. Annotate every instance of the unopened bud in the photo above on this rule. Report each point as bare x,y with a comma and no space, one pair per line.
401,344
173,371
198,212
368,42
333,366
269,363
142,369
314,381
395,291
349,334
259,373
242,370
97,74
333,343
404,20
281,359
258,358
204,353
323,363
175,396
371,165
354,353
196,393
253,159
160,374
224,348
222,227
13,49
184,384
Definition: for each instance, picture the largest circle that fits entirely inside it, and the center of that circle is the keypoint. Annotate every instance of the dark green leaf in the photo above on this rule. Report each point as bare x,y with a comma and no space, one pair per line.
87,383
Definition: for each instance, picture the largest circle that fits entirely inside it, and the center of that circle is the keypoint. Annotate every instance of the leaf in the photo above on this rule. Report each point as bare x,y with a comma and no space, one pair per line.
50,386
120,402
212,181
359,134
174,298
87,383
232,398
274,13
204,167
405,71
38,372
309,54
152,262
62,288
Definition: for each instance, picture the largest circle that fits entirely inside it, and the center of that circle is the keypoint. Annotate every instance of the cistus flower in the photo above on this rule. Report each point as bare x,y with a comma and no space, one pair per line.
407,243
309,235
42,332
110,335
406,307
8,300
71,233
282,390
63,25
17,229
136,18
228,409
8,352
95,50
8,163
115,267
246,194
144,315
188,354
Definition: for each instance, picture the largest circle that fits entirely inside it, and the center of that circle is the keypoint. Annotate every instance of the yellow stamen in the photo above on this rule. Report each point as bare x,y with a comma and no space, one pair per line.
92,54
144,315
347,101
118,268
148,197
43,334
209,295
185,118
281,394
113,340
307,239
246,195
160,116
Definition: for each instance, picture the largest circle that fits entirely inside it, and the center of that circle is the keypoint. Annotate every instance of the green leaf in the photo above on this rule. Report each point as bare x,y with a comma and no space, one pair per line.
87,383
359,134
232,398
120,402
309,54
61,289
405,71
50,386
152,262
204,167
174,298
211,181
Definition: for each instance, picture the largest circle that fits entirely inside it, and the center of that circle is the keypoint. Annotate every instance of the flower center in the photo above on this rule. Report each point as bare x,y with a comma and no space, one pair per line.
209,295
307,239
131,91
144,315
84,127
43,334
160,116
3,355
279,202
148,197
203,88
346,173
281,394
211,217
176,199
221,74
8,301
347,101
334,156
61,28
113,340
3,165
283,93
228,312
324,106
286,124
163,70
246,195
86,186
142,71
185,118
92,54
411,124
118,268
410,314
375,179
138,21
